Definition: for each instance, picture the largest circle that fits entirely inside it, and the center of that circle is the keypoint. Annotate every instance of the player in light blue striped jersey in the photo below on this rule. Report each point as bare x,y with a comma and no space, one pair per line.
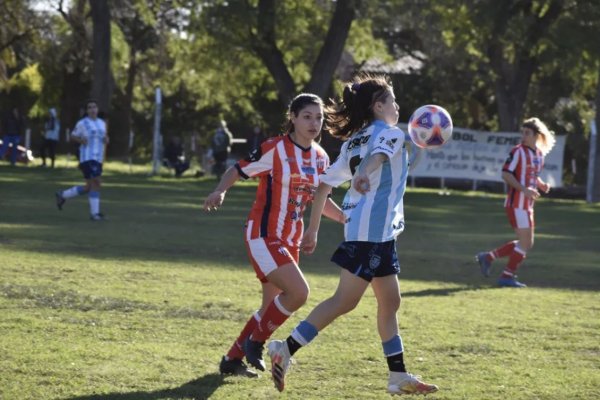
375,159
90,133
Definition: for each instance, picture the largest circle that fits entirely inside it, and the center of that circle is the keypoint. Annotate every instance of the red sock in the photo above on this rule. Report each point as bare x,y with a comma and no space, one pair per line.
505,250
515,259
237,349
274,316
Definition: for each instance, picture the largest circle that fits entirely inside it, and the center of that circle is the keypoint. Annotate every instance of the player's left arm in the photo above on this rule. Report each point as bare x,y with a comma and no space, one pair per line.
543,186
361,182
387,145
333,211
309,240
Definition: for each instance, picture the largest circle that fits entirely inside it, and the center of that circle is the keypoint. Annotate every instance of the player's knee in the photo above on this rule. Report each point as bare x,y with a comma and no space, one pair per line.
345,305
299,295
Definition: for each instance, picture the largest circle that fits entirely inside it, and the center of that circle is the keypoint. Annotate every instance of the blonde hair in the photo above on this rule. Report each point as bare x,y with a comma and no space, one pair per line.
545,137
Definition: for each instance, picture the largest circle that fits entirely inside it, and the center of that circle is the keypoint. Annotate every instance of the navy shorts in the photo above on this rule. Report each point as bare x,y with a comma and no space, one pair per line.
368,260
91,169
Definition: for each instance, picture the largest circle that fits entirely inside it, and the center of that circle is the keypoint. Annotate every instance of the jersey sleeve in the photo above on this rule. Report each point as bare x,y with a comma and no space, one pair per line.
338,172
78,131
259,162
389,142
512,161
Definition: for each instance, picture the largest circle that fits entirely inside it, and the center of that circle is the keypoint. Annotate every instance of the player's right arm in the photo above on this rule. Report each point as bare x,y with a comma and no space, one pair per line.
215,199
78,135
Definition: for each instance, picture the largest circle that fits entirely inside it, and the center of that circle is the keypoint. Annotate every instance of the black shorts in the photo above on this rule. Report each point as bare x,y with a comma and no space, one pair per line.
368,260
91,169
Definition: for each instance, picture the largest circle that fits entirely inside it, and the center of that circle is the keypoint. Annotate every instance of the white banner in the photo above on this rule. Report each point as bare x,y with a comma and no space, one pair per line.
479,155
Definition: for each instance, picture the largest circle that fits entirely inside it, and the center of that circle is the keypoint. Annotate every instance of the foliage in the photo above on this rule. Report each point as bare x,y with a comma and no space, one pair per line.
205,57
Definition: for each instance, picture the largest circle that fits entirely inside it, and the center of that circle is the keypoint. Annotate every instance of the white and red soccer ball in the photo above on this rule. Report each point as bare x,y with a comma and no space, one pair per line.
430,126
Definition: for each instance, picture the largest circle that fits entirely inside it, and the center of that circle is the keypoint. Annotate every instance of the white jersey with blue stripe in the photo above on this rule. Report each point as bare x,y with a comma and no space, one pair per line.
378,215
95,132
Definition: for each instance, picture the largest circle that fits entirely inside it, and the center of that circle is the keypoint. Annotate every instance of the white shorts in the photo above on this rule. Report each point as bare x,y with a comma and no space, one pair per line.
519,218
268,254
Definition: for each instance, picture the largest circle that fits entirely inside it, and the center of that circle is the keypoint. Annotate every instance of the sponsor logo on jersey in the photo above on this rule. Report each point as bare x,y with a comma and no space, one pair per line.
348,206
254,155
295,202
386,149
300,184
359,141
308,170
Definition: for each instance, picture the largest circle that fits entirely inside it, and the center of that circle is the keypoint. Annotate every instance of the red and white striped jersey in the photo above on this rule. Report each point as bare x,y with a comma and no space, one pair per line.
289,176
525,164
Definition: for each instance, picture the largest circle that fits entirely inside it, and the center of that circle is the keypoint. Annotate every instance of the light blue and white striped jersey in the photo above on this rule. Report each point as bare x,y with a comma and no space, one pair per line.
95,131
378,215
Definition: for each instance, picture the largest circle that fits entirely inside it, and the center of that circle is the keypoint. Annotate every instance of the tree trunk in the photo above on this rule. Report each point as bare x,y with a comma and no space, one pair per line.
513,78
331,51
265,46
512,86
101,82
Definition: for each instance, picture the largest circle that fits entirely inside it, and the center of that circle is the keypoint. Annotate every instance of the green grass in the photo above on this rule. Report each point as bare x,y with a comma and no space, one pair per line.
142,306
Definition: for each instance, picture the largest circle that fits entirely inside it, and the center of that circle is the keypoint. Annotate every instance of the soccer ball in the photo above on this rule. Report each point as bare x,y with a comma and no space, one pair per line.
430,126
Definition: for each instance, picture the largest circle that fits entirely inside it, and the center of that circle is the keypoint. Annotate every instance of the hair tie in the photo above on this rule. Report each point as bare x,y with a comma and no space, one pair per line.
355,87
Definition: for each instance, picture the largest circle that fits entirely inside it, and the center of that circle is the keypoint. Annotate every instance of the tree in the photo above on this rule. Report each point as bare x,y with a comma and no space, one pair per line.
514,54
102,84
255,28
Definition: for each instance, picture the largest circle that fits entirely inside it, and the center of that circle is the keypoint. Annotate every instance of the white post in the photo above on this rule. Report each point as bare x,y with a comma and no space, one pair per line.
130,149
27,139
589,193
156,142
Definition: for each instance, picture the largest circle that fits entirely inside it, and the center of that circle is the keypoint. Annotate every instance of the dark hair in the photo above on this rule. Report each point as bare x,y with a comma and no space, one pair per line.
88,101
298,104
355,111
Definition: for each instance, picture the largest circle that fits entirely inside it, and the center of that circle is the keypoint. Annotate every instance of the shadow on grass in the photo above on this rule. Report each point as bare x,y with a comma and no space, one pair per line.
442,291
198,389
161,220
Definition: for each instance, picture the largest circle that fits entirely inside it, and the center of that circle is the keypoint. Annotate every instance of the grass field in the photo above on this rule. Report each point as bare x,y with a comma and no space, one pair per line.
143,305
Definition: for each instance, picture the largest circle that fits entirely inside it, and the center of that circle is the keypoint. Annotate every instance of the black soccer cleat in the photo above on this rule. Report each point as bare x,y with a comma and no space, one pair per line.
254,351
60,200
236,367
97,217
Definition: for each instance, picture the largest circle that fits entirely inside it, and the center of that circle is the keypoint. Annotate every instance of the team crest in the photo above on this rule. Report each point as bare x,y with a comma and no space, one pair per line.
320,163
374,261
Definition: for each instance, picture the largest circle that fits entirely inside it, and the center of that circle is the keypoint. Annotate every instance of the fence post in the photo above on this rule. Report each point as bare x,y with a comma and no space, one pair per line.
589,196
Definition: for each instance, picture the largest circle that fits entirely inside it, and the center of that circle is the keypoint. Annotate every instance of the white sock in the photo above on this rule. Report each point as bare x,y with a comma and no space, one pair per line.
94,199
73,192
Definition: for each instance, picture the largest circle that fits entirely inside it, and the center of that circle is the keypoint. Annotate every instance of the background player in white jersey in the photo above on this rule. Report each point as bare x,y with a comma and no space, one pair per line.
521,173
90,133
375,159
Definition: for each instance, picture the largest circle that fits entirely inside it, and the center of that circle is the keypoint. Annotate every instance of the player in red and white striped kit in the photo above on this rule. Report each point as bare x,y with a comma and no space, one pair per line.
288,167
521,173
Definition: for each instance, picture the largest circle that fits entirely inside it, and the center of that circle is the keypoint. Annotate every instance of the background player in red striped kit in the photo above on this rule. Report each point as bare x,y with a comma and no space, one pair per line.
521,173
288,167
